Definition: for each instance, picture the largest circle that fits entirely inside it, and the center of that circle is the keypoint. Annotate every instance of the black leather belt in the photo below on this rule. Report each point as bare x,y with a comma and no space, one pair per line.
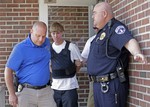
34,87
104,78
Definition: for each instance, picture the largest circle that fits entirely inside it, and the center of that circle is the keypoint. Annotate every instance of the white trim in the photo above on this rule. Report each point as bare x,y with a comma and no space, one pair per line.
90,11
72,3
43,13
43,10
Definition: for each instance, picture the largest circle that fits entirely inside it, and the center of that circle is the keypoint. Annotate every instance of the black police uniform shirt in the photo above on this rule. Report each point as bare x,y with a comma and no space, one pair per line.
98,63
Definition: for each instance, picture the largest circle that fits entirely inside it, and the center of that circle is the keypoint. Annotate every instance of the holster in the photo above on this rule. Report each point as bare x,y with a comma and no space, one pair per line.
121,74
16,83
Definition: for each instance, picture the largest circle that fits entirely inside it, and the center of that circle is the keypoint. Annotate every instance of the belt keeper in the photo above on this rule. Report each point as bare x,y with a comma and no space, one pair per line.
113,75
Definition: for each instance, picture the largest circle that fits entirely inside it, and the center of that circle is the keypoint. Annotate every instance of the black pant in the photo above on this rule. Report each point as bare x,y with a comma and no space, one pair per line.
66,98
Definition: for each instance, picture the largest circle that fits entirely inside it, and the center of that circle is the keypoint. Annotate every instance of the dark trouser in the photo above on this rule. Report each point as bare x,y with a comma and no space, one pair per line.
66,98
115,97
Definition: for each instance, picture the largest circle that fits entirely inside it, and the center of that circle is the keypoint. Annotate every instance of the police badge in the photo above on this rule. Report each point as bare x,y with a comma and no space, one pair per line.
102,36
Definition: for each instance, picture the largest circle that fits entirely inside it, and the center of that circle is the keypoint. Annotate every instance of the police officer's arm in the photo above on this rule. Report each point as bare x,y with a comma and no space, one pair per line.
76,56
9,83
78,64
133,47
86,49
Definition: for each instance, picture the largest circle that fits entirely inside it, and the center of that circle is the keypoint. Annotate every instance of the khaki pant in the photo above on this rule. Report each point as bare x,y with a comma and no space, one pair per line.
90,102
36,98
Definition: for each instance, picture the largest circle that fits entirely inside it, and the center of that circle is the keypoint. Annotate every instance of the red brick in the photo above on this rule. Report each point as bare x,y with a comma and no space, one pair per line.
19,1
134,13
31,1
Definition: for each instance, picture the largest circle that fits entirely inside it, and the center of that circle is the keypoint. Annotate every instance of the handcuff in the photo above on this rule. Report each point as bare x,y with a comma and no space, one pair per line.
104,87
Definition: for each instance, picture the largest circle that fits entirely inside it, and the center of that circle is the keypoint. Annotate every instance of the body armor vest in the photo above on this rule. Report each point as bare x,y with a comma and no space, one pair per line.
62,66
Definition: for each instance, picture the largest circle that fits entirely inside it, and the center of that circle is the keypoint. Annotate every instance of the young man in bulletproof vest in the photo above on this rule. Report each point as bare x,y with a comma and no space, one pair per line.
65,62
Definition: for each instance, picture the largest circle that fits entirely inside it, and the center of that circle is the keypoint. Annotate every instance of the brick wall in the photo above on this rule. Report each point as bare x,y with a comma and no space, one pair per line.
16,18
136,15
75,22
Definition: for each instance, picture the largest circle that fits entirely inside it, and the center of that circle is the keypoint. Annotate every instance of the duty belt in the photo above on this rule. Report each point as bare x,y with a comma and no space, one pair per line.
104,78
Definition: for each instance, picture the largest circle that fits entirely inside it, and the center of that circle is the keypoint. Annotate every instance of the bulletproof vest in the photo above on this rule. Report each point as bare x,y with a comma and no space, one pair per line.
62,66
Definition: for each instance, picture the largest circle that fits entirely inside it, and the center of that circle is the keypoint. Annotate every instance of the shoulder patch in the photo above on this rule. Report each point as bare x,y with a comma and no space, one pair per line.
120,29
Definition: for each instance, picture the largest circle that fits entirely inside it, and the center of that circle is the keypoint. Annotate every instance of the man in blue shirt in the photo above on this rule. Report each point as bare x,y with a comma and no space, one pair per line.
29,60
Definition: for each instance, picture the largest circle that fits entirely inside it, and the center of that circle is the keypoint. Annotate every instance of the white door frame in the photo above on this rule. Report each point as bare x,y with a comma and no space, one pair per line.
43,9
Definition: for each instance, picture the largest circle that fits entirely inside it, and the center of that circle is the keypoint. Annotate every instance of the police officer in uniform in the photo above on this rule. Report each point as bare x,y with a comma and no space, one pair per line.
84,54
107,62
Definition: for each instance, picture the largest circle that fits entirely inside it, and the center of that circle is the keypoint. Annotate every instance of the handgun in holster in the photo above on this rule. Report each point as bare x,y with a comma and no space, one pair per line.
16,83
